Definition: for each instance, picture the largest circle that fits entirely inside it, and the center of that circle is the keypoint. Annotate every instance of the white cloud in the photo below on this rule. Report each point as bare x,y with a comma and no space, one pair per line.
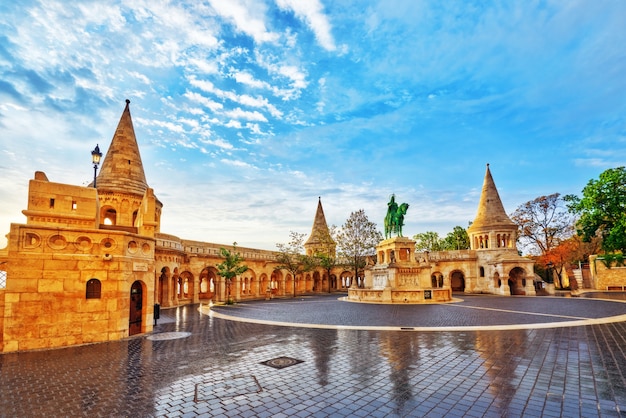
248,79
295,76
238,113
244,99
220,143
212,105
237,163
161,124
205,66
248,16
140,77
312,13
233,124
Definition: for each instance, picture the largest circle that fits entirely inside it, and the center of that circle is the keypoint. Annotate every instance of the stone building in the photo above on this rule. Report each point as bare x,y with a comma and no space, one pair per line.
492,264
91,263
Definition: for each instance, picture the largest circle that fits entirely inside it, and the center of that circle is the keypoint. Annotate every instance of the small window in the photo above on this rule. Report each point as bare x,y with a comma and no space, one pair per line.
51,203
93,289
3,279
482,271
74,205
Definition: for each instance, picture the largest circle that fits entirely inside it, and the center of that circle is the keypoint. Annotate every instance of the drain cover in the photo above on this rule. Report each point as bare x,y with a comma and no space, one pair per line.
282,362
168,336
235,386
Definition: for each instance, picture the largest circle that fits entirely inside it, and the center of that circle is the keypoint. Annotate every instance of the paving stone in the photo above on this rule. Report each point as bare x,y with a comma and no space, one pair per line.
571,371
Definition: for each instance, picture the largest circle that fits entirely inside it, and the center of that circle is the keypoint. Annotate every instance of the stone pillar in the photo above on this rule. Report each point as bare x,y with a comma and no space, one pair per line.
196,289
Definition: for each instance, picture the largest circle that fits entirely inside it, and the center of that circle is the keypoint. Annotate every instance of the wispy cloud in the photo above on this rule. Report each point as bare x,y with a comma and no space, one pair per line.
312,13
265,105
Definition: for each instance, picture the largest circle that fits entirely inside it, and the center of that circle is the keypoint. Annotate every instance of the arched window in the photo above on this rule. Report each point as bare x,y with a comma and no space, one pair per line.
93,289
110,217
482,271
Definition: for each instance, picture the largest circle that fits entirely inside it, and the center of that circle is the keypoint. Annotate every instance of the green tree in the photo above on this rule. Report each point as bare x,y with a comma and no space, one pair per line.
456,240
231,267
356,240
291,257
602,210
543,223
428,241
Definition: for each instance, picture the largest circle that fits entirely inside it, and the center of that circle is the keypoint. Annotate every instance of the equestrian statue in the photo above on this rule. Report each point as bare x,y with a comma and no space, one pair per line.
395,217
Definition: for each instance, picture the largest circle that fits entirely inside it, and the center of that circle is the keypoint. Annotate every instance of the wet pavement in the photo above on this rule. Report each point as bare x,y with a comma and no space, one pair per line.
199,365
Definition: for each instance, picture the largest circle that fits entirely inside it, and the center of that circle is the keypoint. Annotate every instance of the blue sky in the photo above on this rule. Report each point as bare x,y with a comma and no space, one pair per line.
247,110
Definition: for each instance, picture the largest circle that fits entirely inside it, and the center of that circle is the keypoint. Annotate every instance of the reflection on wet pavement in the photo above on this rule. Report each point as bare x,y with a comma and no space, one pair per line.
569,371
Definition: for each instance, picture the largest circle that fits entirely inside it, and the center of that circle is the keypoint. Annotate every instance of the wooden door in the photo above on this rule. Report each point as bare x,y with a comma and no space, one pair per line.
136,308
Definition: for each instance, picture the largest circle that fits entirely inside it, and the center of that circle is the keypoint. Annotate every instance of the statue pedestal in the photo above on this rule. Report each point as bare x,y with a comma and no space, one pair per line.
386,295
397,250
398,277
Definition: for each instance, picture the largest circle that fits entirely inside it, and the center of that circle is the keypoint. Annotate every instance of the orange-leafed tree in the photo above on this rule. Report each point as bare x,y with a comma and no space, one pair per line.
566,253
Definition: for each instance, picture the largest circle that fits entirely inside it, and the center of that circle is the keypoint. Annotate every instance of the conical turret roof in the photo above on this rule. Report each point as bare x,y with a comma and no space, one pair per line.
491,213
320,227
122,169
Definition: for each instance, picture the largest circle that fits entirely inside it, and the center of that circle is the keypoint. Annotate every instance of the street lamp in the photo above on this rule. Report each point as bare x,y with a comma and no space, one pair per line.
549,266
95,159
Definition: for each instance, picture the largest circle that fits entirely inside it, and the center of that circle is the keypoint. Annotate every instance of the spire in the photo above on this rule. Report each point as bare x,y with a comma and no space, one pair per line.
320,227
122,169
491,213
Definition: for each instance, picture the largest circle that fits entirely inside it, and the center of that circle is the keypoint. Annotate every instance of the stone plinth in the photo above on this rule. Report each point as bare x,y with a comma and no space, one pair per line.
398,277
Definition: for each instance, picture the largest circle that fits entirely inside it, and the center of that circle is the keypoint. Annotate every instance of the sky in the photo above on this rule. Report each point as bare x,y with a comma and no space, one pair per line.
247,111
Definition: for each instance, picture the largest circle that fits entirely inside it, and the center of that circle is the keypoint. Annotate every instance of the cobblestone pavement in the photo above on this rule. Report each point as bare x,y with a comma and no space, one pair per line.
199,365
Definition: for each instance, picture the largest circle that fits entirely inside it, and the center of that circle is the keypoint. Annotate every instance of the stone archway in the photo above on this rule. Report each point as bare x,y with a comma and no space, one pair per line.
457,281
186,282
517,279
207,283
345,280
317,282
163,290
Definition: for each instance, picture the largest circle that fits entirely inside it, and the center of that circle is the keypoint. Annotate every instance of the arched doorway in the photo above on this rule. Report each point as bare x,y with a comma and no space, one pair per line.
317,283
346,279
264,284
517,281
164,286
208,279
136,308
457,281
186,285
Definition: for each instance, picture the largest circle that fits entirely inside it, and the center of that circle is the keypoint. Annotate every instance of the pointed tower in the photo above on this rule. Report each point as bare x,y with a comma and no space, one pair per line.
320,241
126,201
492,228
122,169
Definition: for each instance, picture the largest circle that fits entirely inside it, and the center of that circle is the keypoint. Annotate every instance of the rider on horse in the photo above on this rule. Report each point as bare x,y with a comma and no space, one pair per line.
395,217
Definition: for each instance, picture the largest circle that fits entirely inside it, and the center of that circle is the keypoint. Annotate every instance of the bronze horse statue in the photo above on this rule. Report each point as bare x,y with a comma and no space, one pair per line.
395,219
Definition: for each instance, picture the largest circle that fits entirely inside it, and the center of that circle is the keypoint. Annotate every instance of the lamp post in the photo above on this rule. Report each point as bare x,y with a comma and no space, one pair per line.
550,277
95,159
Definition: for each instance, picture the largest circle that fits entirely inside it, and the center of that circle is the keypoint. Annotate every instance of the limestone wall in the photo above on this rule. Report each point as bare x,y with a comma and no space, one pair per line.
45,301
63,205
604,278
